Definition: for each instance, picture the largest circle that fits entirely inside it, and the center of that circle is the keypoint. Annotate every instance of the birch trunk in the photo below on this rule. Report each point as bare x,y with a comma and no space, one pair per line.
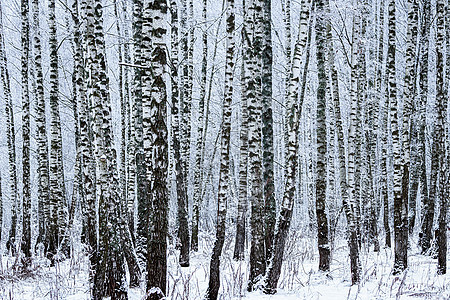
409,96
321,148
239,245
183,229
26,179
257,250
427,202
141,192
198,175
58,212
224,179
10,137
154,99
384,121
294,109
353,210
442,109
43,171
247,69
267,130
109,275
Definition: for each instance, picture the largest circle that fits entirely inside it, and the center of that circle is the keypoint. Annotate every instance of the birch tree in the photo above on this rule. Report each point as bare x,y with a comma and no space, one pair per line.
224,179
257,249
10,137
87,162
58,209
409,95
349,203
154,99
43,168
183,229
440,148
267,129
26,179
321,167
427,202
198,175
384,125
108,281
294,113
187,83
400,204
139,164
246,70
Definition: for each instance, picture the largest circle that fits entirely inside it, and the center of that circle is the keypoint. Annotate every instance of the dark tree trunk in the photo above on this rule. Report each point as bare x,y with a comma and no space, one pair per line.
154,99
267,120
321,180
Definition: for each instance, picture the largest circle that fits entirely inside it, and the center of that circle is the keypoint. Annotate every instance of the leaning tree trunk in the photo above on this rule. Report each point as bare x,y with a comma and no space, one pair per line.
26,214
154,99
224,177
110,269
10,138
294,109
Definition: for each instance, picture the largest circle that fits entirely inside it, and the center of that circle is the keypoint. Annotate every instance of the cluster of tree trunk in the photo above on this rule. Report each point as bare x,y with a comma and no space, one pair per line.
370,143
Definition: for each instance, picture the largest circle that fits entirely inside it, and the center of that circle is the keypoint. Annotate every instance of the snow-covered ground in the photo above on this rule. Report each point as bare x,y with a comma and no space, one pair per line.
300,278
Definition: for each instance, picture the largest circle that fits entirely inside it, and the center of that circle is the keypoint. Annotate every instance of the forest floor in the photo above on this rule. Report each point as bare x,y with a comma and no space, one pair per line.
300,277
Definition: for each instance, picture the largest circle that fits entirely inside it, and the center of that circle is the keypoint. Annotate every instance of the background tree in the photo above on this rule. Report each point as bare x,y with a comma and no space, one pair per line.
427,202
183,228
10,137
441,103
